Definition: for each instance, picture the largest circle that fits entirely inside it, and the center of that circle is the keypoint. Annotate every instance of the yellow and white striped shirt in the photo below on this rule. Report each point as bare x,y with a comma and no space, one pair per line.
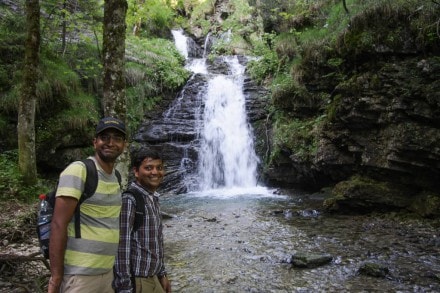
93,253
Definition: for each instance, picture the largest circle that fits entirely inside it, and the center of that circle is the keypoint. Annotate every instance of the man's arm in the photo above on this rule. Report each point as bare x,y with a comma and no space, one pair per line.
122,281
64,210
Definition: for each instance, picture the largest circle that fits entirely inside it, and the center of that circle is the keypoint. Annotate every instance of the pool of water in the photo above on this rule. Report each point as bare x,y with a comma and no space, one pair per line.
242,241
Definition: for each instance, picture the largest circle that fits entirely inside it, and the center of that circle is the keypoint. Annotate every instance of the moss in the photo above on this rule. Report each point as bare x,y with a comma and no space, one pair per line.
298,137
426,205
361,194
332,108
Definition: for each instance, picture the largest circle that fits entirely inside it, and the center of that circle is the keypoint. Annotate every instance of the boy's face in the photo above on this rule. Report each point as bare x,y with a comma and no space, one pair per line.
150,173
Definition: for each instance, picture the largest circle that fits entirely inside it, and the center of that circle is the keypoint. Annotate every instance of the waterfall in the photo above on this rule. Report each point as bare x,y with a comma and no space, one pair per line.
227,158
226,155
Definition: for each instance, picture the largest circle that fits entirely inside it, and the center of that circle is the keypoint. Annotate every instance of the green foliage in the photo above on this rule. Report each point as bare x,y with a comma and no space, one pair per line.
155,68
332,108
141,94
237,33
298,136
12,38
288,94
318,33
68,26
86,61
11,183
153,17
240,17
267,64
79,112
57,81
162,63
286,46
198,13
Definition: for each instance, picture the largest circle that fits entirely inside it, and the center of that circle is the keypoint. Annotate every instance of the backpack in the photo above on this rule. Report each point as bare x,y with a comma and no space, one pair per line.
140,208
90,185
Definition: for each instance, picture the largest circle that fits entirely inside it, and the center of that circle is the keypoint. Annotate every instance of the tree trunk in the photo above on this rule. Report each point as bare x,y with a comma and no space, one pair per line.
26,108
113,101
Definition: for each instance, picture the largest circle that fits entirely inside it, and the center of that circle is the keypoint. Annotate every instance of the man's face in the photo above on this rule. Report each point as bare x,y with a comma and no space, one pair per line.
109,145
150,173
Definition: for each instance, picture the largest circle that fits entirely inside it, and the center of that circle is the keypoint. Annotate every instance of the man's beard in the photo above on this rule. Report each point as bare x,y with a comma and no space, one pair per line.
108,158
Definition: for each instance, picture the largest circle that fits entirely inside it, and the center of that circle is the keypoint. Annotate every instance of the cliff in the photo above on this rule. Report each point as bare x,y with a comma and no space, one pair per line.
374,103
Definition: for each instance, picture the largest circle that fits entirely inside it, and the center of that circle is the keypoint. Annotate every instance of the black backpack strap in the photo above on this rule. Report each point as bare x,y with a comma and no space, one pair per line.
91,179
118,175
140,208
89,189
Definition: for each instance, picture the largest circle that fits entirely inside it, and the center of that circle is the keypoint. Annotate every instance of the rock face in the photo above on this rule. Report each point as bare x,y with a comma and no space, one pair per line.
173,133
385,125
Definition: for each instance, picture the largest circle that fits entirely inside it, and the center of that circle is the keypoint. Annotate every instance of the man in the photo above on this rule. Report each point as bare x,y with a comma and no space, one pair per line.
139,265
82,265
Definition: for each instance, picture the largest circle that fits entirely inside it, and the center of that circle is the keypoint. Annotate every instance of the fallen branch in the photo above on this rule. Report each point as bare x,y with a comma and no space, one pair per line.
36,256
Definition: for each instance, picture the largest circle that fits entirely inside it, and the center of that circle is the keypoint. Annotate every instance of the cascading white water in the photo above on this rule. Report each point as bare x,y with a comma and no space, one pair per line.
226,158
195,65
180,42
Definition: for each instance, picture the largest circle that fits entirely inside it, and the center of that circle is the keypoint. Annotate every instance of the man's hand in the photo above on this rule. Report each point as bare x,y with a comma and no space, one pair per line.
54,286
166,284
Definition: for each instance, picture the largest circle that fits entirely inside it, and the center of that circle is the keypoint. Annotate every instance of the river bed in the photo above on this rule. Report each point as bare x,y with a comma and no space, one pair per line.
241,241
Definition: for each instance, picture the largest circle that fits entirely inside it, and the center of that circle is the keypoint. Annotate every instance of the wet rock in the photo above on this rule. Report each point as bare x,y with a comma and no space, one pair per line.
167,216
308,213
288,214
212,220
373,270
232,280
307,260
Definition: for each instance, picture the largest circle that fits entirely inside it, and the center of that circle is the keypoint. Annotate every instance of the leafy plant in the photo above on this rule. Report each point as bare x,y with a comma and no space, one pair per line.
11,184
265,66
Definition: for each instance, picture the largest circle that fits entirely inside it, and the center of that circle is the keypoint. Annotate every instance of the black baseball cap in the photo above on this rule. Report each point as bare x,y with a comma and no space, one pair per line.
110,122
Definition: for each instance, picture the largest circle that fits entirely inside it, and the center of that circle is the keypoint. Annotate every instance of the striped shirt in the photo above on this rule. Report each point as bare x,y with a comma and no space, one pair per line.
140,252
93,253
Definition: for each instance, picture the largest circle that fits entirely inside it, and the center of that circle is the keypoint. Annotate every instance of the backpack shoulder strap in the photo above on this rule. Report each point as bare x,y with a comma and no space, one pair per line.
118,175
91,179
89,189
140,207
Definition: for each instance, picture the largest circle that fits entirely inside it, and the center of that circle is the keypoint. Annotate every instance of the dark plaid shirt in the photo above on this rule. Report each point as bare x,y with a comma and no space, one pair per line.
140,252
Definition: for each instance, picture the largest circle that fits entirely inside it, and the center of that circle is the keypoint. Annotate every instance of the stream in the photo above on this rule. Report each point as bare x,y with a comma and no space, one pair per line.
241,240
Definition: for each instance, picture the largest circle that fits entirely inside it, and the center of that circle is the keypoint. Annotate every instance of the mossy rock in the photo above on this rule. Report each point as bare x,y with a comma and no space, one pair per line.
309,260
374,270
364,195
426,205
